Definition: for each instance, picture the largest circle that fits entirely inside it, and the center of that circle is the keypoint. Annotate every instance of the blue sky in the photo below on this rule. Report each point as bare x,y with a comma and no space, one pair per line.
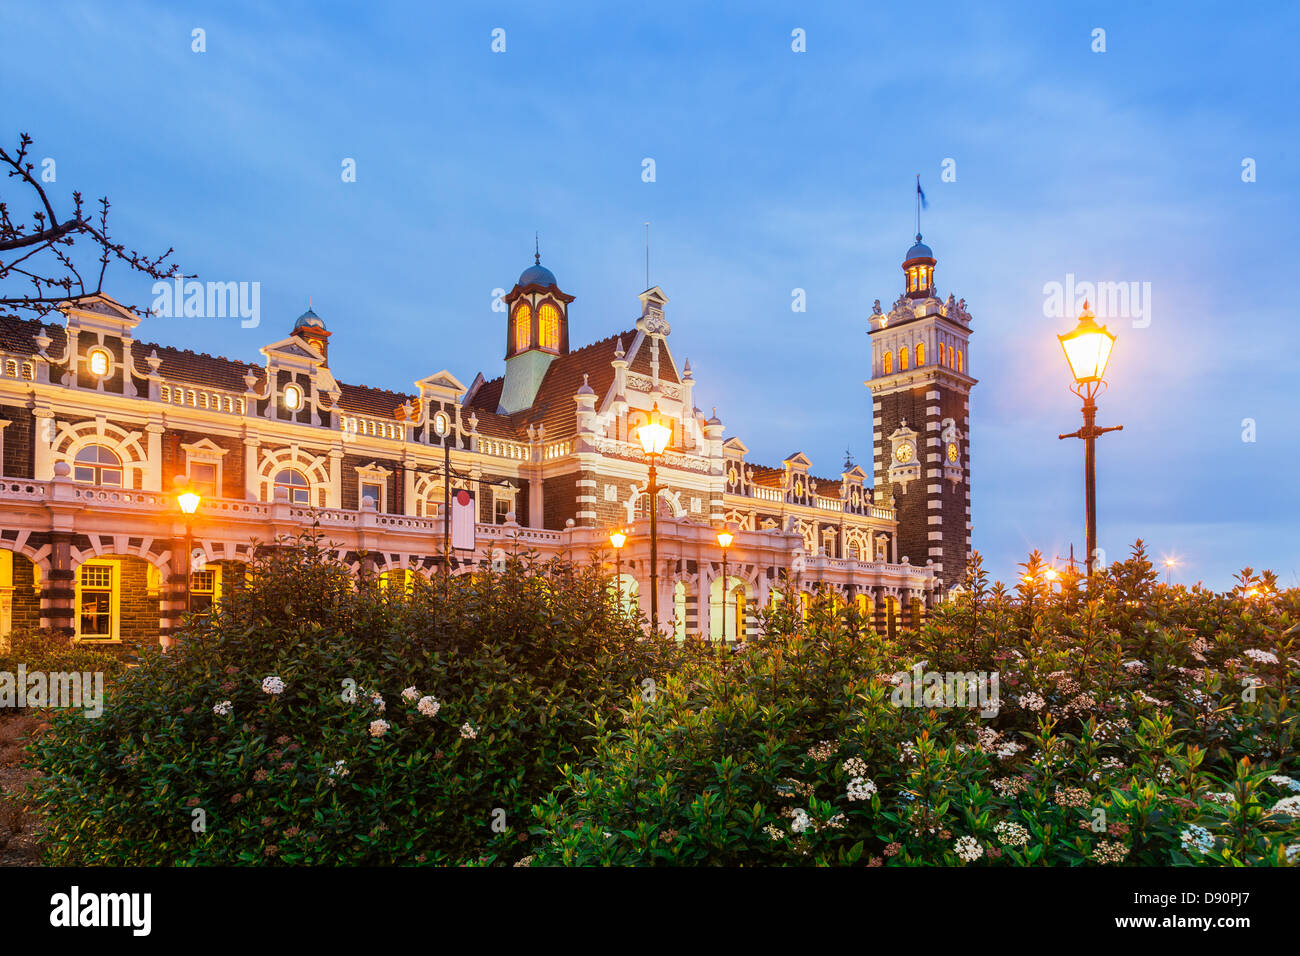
775,170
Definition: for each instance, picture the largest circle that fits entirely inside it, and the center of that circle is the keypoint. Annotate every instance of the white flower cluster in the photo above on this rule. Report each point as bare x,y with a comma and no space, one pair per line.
1223,799
1011,834
800,821
338,772
1288,783
1261,657
223,709
429,706
410,694
272,685
1032,701
1135,667
861,788
968,849
1197,838
378,701
468,731
378,728
1289,805
855,767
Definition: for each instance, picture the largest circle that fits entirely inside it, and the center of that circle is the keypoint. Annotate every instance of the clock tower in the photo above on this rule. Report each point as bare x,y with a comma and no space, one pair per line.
920,390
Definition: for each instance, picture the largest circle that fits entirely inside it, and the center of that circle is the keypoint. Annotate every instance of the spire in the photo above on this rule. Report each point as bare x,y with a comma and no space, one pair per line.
537,249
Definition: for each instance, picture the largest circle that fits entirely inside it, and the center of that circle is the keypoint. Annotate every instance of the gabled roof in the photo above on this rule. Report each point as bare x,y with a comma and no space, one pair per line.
19,335
197,368
365,400
640,363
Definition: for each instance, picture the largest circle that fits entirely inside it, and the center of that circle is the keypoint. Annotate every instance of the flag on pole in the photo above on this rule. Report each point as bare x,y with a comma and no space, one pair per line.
921,193
462,520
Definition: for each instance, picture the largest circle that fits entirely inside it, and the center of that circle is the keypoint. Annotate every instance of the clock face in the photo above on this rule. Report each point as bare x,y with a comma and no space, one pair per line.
952,452
904,452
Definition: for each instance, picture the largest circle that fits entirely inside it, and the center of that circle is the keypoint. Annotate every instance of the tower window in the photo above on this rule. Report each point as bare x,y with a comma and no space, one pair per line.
959,360
889,363
523,327
548,326
950,359
920,354
292,397
902,359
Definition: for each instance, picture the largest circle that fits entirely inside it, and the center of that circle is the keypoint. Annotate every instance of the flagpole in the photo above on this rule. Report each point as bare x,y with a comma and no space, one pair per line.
918,204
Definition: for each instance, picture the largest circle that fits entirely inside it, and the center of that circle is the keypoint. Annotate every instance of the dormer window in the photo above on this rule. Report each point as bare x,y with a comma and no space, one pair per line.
100,362
293,397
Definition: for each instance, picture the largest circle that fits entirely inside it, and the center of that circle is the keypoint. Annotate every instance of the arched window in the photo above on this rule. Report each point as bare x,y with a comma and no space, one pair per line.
294,482
889,363
950,359
548,326
902,359
959,363
98,465
920,354
523,326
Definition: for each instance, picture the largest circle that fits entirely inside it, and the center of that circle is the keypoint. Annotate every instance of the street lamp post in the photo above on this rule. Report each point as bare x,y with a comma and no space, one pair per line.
188,499
725,538
442,428
1087,348
654,435
618,538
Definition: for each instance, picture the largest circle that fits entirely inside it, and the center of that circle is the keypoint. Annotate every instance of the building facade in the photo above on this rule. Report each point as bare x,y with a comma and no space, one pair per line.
98,431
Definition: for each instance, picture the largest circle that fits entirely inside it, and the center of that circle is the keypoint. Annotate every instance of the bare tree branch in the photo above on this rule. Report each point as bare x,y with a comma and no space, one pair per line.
46,236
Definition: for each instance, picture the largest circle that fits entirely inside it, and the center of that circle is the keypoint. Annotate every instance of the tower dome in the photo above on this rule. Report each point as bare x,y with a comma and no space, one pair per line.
310,328
537,274
920,250
308,320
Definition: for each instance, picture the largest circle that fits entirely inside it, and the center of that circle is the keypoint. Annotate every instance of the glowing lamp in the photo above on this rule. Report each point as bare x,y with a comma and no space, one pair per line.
725,538
654,434
618,538
1087,348
189,500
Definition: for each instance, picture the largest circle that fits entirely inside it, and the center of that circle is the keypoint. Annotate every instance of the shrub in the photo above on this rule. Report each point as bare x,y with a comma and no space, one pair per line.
44,650
1138,724
313,720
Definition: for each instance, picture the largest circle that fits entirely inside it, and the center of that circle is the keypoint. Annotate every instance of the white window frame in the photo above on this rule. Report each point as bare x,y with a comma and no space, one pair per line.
114,602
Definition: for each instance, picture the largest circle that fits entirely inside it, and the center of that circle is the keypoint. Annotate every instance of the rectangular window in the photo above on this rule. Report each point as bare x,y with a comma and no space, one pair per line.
203,477
502,505
371,489
203,590
95,604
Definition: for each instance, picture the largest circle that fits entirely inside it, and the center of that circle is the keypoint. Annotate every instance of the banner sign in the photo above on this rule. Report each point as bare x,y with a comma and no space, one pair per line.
463,519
